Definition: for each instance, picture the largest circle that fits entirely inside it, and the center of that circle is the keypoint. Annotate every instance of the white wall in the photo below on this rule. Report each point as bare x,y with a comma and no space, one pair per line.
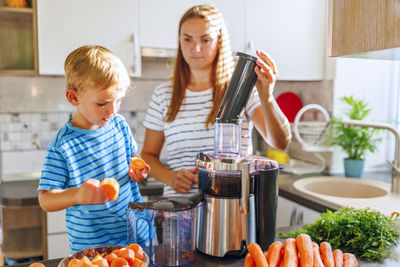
376,82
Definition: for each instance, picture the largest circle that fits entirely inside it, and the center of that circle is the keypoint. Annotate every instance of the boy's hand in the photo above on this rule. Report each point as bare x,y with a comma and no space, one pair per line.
139,175
89,193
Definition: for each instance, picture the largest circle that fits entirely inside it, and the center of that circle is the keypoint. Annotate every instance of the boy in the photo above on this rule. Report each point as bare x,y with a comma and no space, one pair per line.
95,144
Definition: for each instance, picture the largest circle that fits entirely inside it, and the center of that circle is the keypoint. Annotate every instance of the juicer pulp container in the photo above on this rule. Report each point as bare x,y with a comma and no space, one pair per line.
171,239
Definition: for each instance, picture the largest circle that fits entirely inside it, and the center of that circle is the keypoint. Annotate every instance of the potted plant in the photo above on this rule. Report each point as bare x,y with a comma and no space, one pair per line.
354,141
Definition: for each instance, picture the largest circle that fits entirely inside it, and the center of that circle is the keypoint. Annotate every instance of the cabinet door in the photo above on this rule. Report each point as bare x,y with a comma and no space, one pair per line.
57,246
292,32
56,222
65,25
290,213
160,19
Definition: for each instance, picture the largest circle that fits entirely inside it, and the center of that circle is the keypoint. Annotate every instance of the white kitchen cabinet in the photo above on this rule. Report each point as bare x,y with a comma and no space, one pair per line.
57,238
290,213
65,25
160,19
292,32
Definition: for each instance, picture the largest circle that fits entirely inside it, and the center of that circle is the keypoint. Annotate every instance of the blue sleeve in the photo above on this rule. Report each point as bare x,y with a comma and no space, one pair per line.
55,171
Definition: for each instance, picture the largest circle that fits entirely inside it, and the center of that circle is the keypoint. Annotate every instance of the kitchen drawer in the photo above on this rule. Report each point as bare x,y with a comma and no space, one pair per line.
21,217
22,242
56,222
57,246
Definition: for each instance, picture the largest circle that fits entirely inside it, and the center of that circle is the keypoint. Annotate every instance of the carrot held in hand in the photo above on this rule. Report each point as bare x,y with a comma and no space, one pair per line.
111,188
304,246
257,255
349,260
248,261
317,256
290,258
274,254
137,164
338,257
327,256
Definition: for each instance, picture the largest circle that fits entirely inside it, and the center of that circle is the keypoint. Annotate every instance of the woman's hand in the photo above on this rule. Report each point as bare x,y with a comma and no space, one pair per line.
90,193
267,74
184,180
139,175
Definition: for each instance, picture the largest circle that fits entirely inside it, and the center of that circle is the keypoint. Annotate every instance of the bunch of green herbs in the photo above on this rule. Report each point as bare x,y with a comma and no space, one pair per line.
366,233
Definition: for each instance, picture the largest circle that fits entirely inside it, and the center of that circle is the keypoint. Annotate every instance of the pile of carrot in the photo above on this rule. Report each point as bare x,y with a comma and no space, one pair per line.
130,256
299,252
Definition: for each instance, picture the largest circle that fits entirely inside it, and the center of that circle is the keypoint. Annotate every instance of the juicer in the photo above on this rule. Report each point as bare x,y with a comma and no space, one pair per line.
240,191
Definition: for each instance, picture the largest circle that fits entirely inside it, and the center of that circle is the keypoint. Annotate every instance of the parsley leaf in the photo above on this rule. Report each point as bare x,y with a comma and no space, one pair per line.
366,233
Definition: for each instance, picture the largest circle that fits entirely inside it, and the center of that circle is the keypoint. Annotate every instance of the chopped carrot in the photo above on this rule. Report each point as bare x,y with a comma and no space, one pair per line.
127,254
99,261
71,263
138,263
119,262
137,163
138,250
111,187
110,257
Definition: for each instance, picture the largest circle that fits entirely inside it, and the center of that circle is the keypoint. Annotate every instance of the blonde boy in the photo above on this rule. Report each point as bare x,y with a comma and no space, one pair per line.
94,144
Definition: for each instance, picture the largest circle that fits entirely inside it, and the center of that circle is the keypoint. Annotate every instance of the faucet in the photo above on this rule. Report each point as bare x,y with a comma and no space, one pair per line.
396,162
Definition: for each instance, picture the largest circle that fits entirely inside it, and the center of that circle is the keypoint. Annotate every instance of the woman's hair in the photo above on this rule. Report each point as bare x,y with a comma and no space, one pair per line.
222,67
93,66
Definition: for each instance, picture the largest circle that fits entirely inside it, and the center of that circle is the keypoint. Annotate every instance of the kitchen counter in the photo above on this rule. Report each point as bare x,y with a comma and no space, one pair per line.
202,260
24,193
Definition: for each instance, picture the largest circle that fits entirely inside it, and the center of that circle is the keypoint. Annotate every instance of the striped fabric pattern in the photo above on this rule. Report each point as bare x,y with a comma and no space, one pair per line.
187,135
76,155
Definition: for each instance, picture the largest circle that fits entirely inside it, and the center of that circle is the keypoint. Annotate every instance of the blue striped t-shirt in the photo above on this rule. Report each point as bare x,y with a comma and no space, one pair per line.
187,135
76,155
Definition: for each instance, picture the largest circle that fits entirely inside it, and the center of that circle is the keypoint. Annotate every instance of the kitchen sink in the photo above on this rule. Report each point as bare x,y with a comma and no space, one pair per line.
341,187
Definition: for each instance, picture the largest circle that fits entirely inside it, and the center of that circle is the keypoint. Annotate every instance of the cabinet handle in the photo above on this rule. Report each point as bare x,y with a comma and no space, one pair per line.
134,53
300,218
293,217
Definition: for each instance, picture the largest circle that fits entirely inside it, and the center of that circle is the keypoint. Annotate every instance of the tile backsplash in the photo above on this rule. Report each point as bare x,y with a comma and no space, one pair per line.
33,108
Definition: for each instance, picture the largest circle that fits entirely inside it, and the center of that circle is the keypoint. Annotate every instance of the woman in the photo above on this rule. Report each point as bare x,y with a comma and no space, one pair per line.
182,114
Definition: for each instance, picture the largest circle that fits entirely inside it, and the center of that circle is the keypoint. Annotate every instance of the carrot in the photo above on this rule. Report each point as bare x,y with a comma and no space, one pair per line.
137,163
349,260
274,254
304,246
119,262
326,253
248,261
71,263
257,255
290,258
99,261
36,264
317,256
138,250
338,257
111,187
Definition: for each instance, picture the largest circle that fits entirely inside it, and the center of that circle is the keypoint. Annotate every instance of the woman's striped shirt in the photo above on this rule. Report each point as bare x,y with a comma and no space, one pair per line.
186,135
76,155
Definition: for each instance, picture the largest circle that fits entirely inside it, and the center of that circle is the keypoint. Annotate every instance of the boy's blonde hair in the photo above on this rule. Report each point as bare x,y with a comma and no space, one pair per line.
93,66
